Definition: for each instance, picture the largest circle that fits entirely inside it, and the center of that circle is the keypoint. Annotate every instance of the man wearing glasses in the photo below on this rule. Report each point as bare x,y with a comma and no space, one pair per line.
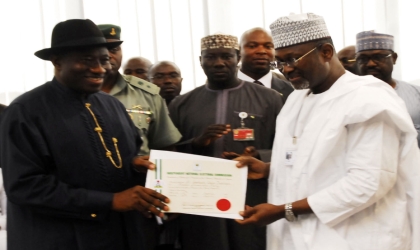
345,172
347,57
167,76
376,57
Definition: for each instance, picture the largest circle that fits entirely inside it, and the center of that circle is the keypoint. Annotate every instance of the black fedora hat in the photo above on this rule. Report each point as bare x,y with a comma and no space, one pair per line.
75,33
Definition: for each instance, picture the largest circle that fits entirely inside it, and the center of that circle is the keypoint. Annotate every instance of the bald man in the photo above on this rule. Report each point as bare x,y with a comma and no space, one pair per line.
167,76
138,67
257,52
347,57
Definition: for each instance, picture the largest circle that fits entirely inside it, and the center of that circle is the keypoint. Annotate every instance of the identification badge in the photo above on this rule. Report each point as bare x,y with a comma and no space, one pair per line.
243,134
290,157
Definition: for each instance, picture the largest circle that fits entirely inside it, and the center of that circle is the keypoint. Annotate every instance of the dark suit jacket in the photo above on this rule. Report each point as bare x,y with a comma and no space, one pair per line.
282,87
2,107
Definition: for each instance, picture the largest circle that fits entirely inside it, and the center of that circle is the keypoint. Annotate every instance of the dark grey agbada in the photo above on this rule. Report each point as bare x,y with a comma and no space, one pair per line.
192,113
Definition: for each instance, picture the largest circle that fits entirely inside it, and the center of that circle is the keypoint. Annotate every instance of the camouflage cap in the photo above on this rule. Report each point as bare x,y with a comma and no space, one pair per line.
110,31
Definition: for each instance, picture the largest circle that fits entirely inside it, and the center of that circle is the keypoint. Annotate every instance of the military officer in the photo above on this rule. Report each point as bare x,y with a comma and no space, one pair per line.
141,99
148,111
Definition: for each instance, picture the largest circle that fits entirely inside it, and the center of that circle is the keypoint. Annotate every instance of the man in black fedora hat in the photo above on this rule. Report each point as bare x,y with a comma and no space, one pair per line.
67,153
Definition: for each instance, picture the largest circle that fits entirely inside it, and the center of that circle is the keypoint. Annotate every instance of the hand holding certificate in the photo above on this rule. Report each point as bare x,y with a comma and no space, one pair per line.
199,185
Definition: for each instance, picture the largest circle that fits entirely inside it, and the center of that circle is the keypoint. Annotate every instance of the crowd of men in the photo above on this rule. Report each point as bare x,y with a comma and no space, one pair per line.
331,143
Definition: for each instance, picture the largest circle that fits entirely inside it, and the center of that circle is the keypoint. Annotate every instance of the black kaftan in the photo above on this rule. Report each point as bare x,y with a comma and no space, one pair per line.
57,178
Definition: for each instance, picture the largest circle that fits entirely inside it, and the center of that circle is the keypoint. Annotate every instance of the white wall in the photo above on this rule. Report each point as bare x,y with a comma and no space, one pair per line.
172,29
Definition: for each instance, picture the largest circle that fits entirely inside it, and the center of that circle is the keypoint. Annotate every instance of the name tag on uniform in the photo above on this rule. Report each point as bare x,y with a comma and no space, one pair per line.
243,134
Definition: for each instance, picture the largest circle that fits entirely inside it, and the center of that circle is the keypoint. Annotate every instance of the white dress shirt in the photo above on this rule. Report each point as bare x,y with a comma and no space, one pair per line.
265,80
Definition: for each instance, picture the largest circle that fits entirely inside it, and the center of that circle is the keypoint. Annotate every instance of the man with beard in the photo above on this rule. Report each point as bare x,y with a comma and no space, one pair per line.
167,76
66,152
226,114
376,57
257,53
146,108
347,57
138,67
345,174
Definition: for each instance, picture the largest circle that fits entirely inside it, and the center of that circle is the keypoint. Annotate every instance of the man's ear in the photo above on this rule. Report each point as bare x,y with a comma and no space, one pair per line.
199,58
327,51
394,57
55,60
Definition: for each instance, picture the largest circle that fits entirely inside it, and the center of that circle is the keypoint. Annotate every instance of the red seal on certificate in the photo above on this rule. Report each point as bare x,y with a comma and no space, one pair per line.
223,205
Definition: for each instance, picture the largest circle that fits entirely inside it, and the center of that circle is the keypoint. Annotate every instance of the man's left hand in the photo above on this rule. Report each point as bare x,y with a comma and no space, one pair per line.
142,164
262,214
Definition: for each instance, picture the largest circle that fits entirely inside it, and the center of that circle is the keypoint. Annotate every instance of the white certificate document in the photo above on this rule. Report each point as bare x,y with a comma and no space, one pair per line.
199,185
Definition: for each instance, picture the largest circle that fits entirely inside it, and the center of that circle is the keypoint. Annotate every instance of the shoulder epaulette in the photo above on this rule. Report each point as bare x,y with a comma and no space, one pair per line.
142,84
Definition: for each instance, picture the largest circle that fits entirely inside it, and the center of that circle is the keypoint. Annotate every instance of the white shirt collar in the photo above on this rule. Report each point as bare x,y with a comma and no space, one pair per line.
265,80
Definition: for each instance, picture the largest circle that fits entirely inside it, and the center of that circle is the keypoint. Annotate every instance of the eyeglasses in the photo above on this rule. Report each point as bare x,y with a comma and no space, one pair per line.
347,61
376,58
292,62
160,76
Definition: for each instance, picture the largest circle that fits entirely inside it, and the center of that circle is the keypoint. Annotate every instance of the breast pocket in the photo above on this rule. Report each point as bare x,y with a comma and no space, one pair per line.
142,119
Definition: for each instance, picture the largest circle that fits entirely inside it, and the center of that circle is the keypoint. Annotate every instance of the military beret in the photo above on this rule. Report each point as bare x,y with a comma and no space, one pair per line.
110,31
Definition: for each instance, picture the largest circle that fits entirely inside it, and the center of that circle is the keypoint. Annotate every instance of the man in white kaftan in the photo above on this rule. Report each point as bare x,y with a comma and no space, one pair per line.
345,169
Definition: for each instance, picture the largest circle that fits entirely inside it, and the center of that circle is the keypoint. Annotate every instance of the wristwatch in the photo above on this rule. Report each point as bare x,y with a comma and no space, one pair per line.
288,209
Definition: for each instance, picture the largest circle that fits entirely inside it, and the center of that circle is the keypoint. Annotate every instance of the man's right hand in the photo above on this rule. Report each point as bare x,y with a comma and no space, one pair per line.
248,151
256,168
212,133
142,199
142,164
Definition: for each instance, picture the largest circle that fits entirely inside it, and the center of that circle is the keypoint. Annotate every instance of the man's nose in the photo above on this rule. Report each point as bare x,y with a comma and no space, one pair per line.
287,69
167,79
262,50
219,62
370,63
98,68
